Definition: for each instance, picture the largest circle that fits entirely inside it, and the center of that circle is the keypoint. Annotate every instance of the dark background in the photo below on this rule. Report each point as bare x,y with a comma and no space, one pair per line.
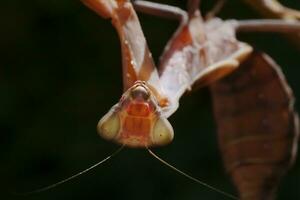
61,72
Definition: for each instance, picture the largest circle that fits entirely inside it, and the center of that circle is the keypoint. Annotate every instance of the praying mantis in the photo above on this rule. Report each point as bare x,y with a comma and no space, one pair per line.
146,83
200,53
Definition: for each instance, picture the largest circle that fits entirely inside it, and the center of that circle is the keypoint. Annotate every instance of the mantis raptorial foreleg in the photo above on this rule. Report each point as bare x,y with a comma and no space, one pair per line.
160,10
274,9
256,25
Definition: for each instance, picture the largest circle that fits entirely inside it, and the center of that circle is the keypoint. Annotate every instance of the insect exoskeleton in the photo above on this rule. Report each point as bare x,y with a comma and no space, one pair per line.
136,120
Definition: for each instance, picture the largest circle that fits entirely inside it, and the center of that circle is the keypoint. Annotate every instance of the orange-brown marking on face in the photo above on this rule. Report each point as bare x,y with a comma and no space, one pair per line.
137,126
138,109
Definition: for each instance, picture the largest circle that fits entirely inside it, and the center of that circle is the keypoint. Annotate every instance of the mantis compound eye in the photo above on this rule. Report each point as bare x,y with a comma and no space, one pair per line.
109,126
162,133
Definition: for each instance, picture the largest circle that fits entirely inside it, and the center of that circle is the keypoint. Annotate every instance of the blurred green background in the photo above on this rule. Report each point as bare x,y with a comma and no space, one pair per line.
60,72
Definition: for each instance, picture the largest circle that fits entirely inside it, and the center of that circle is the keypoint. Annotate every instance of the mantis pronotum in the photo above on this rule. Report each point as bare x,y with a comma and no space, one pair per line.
156,85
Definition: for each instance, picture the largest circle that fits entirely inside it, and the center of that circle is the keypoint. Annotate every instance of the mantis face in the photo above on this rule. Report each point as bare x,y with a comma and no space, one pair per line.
136,121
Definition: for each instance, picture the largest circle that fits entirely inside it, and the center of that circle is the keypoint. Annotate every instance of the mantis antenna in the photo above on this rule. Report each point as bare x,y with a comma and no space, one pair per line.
190,177
74,176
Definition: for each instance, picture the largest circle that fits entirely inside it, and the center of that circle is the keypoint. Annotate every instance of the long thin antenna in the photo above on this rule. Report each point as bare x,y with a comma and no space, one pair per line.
72,177
190,177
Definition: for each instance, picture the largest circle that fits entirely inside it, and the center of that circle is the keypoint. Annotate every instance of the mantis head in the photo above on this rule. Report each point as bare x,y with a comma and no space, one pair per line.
136,120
